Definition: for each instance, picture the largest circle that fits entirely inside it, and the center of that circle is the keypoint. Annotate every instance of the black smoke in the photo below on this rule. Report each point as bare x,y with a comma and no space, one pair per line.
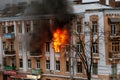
60,11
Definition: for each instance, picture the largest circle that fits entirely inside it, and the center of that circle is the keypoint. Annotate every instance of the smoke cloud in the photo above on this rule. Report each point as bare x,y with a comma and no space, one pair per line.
61,12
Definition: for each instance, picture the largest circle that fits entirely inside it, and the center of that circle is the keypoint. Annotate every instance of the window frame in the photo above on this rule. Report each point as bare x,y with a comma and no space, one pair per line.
94,47
28,27
29,63
38,64
58,65
94,27
79,27
47,46
47,64
21,63
12,46
19,28
20,47
4,45
78,46
10,29
113,29
95,69
115,46
67,66
12,62
114,68
79,67
3,29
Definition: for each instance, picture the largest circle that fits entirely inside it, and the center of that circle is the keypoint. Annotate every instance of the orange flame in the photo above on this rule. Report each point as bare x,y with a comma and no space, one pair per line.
59,38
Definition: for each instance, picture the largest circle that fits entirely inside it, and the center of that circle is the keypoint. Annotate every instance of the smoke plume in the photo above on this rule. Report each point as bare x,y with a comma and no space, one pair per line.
61,13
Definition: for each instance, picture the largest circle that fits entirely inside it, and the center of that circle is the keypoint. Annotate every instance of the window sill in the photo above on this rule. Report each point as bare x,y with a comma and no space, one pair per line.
67,72
47,69
57,71
79,73
38,68
29,68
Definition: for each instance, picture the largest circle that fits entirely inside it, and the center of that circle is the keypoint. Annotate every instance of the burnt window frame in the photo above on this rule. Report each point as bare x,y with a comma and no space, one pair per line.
47,46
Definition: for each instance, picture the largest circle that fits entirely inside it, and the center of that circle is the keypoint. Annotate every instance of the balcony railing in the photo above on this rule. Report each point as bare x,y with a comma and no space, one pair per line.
96,56
114,34
9,35
35,54
36,71
9,53
115,55
10,68
113,77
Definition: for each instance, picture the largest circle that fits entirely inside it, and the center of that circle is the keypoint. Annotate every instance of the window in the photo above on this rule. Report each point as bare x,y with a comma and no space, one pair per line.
29,63
20,46
79,27
47,64
47,46
79,67
4,45
28,28
112,29
67,66
19,28
38,64
94,27
95,69
12,46
94,47
3,29
12,62
11,29
67,48
21,63
115,46
114,68
79,47
57,65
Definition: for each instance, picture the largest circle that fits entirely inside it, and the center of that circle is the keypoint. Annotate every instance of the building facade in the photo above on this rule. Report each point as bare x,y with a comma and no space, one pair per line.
17,62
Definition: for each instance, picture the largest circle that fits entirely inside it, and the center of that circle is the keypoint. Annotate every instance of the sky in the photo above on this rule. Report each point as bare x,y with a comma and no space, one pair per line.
3,2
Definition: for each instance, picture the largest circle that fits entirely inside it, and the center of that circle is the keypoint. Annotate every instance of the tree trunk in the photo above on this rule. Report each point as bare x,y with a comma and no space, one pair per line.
89,75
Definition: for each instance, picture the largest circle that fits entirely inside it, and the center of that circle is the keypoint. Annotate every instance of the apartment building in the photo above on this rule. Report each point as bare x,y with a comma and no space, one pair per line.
19,63
104,24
